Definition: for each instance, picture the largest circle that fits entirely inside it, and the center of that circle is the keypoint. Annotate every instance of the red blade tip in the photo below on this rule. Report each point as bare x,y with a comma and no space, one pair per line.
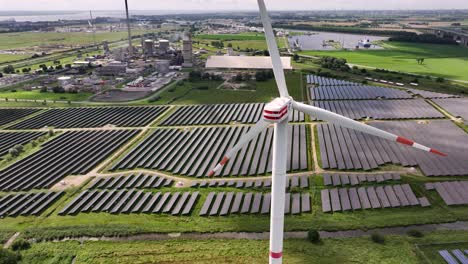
438,153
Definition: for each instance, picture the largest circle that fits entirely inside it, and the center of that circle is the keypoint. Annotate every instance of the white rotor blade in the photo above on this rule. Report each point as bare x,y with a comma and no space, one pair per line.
273,49
244,140
349,123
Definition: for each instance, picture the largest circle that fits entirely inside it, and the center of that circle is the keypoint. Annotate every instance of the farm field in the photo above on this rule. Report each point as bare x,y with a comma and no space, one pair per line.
26,40
49,96
242,41
12,57
396,249
446,61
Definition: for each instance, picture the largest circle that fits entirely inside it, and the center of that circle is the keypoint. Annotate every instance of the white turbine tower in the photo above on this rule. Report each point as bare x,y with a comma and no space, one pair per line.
277,112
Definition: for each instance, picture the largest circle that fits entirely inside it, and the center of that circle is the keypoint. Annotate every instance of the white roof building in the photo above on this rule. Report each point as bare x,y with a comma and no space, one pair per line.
245,62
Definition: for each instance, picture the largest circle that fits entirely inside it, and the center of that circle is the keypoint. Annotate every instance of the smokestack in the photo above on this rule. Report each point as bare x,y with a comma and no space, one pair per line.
130,47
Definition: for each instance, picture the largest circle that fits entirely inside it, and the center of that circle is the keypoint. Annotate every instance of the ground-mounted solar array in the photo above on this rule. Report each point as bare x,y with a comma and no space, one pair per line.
381,109
292,182
8,115
457,107
223,204
89,117
9,140
131,202
345,149
431,95
362,198
72,153
133,181
195,152
455,256
353,92
25,204
220,114
356,179
324,81
452,192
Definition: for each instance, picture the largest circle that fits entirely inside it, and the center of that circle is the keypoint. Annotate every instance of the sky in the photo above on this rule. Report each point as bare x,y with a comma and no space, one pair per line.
211,5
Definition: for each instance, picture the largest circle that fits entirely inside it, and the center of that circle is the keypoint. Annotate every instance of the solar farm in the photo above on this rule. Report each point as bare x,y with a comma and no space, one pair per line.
145,168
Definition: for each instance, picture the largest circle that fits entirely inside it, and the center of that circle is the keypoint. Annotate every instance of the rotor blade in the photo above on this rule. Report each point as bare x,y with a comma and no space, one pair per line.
273,49
244,140
349,123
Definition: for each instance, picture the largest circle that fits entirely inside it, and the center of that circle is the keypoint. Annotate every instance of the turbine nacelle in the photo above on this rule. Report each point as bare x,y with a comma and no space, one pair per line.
277,110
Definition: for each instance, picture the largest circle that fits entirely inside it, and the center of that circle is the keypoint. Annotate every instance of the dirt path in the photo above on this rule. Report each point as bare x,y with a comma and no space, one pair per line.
11,240
455,226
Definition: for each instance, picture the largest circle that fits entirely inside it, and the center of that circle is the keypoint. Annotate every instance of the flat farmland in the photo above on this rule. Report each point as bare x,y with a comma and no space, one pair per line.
49,96
32,40
12,57
446,61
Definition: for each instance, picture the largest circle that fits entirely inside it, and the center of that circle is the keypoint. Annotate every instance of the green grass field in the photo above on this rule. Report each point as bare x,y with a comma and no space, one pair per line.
42,39
446,61
12,57
396,249
227,37
49,96
265,91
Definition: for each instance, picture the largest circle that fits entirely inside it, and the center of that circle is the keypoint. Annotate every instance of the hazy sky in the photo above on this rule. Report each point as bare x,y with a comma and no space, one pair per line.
200,5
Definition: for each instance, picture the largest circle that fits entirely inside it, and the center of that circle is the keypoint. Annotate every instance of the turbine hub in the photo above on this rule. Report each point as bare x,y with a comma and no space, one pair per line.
277,110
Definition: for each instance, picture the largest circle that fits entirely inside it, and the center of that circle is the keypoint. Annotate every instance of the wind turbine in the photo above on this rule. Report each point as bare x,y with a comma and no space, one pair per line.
277,112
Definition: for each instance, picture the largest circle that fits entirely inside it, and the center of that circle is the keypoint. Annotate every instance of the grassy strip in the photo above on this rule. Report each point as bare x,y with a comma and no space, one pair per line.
396,249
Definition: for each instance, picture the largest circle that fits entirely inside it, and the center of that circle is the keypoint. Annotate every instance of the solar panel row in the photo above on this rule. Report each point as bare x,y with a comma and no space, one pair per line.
381,109
356,179
136,181
324,81
352,92
9,115
195,152
72,153
220,114
389,196
452,192
455,256
9,140
92,117
456,107
25,204
293,182
223,204
346,149
131,201
431,95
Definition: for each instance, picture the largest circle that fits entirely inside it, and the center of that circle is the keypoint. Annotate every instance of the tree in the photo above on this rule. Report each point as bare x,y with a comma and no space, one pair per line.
313,236
296,57
9,69
20,244
229,45
1,75
194,76
266,53
8,257
13,152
